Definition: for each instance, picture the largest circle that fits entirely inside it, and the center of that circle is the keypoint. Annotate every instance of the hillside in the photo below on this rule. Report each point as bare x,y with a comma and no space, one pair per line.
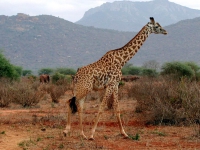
130,16
47,41
36,42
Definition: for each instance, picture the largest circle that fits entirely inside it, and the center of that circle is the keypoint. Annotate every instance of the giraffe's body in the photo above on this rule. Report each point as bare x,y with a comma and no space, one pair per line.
106,74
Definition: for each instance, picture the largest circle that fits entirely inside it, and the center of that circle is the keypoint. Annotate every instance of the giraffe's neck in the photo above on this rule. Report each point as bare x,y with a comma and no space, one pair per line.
124,54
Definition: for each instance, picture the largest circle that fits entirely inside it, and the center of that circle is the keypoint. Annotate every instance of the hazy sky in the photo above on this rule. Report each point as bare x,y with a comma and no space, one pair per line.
71,10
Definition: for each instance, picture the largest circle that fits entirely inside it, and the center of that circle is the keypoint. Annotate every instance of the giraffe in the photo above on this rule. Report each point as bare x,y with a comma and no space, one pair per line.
106,74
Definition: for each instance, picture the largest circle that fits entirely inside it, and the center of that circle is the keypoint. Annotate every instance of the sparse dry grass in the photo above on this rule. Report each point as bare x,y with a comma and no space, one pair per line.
162,100
168,101
28,93
5,93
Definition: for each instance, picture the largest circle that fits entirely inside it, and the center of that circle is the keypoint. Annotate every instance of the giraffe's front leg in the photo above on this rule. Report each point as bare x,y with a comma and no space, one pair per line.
80,113
101,109
117,111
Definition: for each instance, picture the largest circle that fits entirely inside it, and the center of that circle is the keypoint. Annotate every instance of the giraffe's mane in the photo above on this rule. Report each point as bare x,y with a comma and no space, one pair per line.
111,51
133,38
128,42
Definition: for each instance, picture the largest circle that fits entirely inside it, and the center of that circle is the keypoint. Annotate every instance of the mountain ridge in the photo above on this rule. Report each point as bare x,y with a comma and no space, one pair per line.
129,16
45,41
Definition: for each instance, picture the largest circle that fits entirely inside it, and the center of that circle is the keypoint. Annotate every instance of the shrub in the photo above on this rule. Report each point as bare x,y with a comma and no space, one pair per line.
26,94
57,76
164,100
5,92
26,72
32,78
129,69
66,71
197,76
60,84
58,87
195,68
18,70
126,68
178,69
45,71
7,69
23,93
135,70
56,91
149,72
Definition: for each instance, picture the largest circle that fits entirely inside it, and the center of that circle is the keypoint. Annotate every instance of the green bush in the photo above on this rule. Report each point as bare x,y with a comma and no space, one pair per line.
132,70
126,68
7,69
65,71
195,68
149,72
129,69
45,71
18,70
57,76
178,69
135,71
26,72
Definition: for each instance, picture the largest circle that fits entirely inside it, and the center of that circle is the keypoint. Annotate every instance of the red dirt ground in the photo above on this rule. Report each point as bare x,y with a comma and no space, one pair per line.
40,128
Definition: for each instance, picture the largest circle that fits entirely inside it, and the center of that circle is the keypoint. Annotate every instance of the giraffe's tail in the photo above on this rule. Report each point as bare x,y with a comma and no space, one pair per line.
72,104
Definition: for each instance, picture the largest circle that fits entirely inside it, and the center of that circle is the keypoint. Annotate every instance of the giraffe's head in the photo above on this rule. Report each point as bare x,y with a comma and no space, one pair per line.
155,27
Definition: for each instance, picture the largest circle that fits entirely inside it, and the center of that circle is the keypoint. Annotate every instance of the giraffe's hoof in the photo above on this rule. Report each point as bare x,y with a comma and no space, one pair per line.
126,137
65,133
91,139
83,137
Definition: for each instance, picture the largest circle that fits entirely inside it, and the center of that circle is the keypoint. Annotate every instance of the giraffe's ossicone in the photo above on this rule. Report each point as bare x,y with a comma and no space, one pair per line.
106,74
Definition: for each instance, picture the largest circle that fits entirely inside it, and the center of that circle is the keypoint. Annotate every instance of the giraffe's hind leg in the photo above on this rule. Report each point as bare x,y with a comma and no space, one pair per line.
108,93
68,126
79,104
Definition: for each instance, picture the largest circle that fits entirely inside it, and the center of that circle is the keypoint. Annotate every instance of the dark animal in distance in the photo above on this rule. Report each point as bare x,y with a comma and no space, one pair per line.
44,78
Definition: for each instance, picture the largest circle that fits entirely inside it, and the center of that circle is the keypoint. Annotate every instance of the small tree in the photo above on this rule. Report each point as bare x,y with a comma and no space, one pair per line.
178,69
149,72
26,72
129,69
18,70
66,71
126,68
7,69
135,70
58,76
45,71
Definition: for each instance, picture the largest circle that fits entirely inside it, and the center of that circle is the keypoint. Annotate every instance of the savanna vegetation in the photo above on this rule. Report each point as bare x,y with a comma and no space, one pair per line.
170,95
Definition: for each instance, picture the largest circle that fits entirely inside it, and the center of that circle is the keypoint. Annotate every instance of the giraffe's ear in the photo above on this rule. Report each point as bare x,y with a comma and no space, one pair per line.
152,20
